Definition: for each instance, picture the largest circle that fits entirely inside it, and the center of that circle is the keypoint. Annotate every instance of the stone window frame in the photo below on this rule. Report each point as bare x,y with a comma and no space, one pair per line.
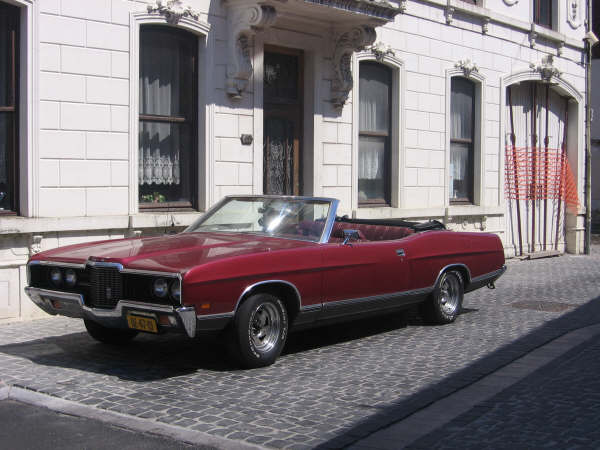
554,12
396,133
204,114
479,136
28,109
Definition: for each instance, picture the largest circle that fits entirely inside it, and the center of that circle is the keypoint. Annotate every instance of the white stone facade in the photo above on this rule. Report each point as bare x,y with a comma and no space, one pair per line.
79,112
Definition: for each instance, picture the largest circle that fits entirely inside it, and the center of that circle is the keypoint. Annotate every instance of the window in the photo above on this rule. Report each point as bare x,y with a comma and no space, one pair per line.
168,108
374,159
462,138
542,12
9,76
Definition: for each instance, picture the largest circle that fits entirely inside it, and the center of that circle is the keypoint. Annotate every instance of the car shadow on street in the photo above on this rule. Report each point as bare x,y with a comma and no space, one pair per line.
579,317
150,358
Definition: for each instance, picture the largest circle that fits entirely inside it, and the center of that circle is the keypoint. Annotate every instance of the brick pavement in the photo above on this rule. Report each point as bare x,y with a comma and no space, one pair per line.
558,407
331,387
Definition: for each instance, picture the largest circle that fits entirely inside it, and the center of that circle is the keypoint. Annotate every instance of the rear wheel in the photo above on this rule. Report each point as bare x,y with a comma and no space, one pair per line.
108,335
444,304
259,331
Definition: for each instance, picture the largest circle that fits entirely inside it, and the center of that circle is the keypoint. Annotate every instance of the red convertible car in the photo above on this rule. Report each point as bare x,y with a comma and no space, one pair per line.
257,267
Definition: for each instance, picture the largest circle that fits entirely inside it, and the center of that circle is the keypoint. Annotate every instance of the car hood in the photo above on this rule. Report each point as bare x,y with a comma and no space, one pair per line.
174,253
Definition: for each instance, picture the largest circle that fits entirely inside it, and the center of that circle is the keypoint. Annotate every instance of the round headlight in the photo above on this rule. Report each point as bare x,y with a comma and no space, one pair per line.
70,278
56,276
176,290
161,287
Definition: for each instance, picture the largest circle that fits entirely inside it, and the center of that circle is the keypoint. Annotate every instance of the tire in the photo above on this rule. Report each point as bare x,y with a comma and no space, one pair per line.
444,304
105,335
259,331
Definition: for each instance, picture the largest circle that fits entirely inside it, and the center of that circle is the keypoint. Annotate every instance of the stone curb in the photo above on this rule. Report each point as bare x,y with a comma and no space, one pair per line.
121,420
442,411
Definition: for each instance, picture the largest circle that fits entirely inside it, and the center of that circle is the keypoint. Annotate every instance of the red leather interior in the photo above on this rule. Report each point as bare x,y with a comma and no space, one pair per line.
369,232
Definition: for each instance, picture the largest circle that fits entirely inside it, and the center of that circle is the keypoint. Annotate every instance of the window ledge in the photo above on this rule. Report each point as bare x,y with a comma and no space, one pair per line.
474,210
28,225
487,15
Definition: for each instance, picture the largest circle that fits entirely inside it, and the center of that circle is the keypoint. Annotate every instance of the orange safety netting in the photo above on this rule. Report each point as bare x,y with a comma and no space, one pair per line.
537,174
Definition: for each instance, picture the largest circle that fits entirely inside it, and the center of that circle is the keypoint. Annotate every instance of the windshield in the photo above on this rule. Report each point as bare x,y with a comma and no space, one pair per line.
280,217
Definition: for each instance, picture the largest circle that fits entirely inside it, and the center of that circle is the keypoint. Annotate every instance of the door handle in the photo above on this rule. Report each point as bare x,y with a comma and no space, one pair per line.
400,252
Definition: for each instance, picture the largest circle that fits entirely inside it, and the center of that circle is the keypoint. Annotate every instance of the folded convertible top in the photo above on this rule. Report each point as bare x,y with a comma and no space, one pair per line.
417,226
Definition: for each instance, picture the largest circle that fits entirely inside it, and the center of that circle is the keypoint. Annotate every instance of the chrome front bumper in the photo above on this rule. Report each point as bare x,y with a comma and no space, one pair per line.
71,305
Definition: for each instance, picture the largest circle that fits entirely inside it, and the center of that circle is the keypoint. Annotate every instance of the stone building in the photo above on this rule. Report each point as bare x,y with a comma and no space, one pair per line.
124,117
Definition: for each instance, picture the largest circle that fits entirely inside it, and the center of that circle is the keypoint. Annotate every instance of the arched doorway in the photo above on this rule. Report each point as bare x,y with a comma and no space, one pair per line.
541,148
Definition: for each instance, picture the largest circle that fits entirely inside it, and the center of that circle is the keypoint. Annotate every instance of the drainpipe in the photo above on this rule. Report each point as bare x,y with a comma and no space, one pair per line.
588,140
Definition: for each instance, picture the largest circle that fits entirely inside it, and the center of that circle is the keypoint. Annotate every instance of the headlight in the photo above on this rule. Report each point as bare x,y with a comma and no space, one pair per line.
56,276
176,290
70,278
161,288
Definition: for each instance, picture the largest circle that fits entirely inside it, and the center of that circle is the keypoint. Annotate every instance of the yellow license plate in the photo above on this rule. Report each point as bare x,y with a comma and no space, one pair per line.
142,323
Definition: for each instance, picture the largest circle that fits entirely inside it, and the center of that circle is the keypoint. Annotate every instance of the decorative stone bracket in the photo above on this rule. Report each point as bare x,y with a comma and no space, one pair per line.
380,51
244,20
467,66
574,13
346,43
173,10
36,244
546,68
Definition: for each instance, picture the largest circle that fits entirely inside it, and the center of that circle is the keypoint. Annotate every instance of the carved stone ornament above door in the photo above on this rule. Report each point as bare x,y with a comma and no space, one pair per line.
354,22
173,10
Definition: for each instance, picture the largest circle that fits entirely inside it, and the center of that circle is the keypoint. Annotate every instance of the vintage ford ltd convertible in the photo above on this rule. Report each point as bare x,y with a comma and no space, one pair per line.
259,266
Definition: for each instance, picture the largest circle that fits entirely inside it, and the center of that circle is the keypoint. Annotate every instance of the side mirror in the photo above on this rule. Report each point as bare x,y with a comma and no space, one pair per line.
350,235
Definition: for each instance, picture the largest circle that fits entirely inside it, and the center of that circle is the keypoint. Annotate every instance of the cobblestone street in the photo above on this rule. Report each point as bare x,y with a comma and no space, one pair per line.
335,385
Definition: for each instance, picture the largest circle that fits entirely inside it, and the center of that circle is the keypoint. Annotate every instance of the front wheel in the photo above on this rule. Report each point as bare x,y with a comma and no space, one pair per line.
445,302
106,335
259,331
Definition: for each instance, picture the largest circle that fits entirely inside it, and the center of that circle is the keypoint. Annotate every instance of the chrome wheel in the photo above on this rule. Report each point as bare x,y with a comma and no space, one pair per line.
265,327
450,294
444,303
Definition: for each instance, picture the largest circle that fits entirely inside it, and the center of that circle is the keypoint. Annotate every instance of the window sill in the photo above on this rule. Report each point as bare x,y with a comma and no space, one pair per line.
473,210
30,225
487,15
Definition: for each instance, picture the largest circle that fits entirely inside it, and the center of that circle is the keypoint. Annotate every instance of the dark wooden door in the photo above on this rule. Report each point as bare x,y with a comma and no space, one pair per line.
282,121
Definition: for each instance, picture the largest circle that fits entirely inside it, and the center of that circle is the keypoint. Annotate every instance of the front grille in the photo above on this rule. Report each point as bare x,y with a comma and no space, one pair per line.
106,287
103,287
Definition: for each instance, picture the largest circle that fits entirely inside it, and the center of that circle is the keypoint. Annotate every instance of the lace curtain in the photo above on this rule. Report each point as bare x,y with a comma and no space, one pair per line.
374,112
461,137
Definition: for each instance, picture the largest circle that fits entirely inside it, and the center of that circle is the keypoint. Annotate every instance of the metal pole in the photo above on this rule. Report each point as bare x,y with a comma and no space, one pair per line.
513,141
588,139
546,142
532,190
561,175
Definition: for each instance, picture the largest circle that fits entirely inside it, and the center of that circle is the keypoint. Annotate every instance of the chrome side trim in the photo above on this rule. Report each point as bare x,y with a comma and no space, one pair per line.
487,276
309,308
464,266
215,316
248,289
372,298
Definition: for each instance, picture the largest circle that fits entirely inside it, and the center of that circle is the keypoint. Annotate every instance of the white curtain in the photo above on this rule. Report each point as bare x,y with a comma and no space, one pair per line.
160,84
461,108
374,117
